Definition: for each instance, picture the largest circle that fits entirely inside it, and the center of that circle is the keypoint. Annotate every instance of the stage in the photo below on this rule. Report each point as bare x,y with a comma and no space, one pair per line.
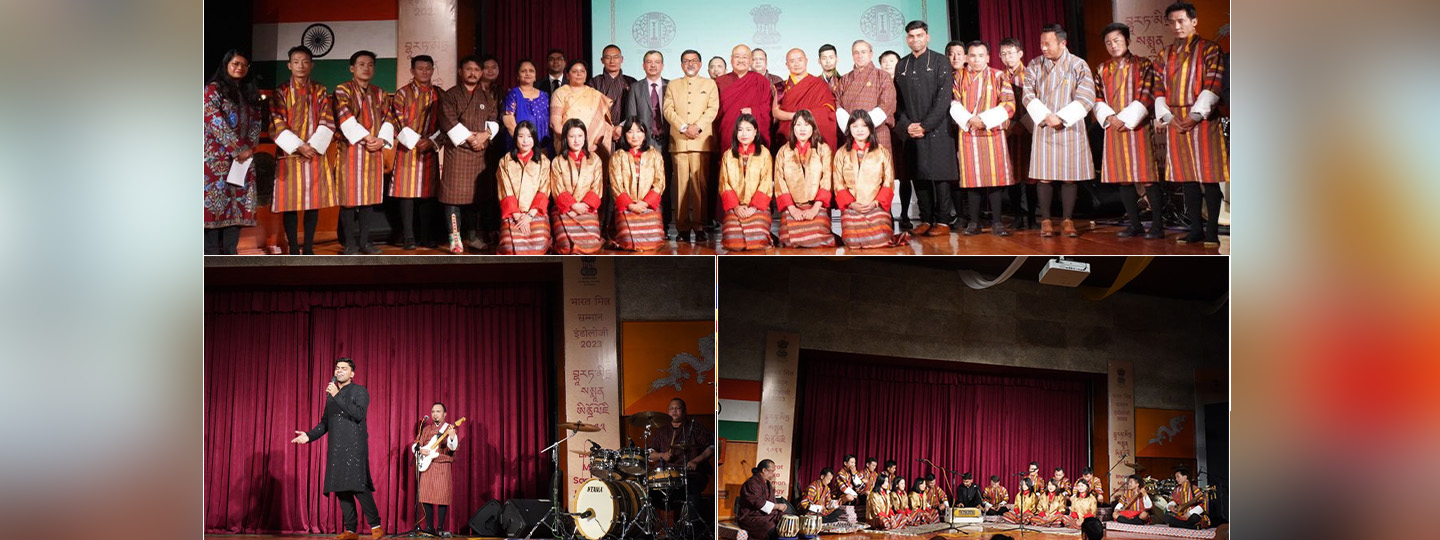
1221,532
1094,239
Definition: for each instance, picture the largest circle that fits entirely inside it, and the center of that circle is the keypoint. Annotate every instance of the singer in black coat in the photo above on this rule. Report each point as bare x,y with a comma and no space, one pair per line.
347,465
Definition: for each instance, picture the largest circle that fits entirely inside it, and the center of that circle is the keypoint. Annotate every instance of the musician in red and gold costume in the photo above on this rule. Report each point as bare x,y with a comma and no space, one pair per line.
818,499
1189,507
848,483
1097,488
1083,504
1051,511
1132,503
436,486
995,498
1061,481
1026,503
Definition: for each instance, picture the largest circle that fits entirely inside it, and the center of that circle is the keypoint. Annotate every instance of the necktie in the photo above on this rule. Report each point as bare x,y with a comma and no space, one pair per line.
655,108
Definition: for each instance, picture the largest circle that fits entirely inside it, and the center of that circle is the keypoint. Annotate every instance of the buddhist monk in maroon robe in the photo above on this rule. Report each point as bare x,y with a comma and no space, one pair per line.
743,91
802,91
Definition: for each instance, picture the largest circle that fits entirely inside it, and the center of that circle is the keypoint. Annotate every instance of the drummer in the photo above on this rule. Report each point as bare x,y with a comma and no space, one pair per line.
684,444
818,499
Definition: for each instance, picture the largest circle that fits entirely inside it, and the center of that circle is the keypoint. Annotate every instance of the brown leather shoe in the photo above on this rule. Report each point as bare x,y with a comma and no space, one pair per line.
377,531
940,229
347,535
1047,228
920,229
1068,227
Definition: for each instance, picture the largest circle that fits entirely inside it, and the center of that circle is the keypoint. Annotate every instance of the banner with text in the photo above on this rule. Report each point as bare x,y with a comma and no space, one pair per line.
426,27
1122,421
591,375
777,405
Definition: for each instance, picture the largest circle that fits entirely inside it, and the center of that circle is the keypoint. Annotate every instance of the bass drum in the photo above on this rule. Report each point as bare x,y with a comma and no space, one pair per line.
609,504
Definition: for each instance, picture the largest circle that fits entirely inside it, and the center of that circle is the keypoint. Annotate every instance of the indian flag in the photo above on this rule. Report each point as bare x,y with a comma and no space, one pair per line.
739,410
333,30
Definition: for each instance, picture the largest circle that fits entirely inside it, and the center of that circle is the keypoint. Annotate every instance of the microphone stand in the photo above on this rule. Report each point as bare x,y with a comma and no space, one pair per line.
1024,523
417,532
553,515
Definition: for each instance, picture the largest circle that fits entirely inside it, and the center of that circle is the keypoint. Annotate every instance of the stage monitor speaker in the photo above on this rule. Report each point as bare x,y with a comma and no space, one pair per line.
486,520
522,514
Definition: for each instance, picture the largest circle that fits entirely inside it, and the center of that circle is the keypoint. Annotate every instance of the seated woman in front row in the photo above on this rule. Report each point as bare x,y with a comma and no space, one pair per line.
802,186
900,503
877,507
920,505
1026,504
524,183
745,187
577,179
1082,505
864,174
1051,512
637,178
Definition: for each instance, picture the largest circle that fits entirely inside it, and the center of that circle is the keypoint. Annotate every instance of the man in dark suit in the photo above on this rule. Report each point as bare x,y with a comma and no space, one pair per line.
555,72
644,101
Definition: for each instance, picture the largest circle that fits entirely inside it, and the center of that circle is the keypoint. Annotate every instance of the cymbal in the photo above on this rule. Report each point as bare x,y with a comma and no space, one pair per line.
649,418
579,426
580,452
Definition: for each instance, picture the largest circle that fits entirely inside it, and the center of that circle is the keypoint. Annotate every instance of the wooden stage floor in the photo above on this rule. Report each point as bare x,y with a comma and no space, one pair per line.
1094,239
1221,533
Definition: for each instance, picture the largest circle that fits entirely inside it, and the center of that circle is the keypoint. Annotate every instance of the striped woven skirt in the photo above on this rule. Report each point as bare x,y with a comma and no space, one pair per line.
639,232
512,242
745,234
806,234
866,230
436,487
578,235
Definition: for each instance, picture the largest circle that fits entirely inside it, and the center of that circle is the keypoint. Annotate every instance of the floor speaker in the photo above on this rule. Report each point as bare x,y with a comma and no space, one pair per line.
522,514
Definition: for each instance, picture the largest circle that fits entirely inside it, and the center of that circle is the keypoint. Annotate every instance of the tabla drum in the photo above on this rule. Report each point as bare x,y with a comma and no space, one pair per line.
632,460
603,464
789,526
810,526
609,504
664,478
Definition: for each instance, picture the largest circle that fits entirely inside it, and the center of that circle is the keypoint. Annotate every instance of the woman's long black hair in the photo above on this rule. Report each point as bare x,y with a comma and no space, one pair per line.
534,139
735,135
631,122
804,114
242,92
860,115
565,136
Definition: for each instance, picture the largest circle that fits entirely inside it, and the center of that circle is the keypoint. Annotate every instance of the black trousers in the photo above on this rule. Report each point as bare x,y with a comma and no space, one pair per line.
997,511
431,511
1131,521
1192,523
347,509
934,199
356,223
907,192
222,241
292,231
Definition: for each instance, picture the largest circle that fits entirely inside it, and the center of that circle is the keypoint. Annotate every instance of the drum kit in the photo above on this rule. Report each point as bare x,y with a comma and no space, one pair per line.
623,494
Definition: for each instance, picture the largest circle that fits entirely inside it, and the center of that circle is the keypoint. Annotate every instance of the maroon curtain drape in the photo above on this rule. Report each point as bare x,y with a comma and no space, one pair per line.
1020,19
514,31
984,424
269,354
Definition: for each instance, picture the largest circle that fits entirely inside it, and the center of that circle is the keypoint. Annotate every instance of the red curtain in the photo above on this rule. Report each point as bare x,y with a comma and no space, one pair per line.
1020,19
269,353
514,31
984,424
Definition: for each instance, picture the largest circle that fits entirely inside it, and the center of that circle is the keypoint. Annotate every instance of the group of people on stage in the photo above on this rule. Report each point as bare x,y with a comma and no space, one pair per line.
888,504
585,161
347,457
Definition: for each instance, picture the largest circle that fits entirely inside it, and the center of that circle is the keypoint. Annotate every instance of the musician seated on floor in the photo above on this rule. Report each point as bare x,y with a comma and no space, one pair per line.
757,510
849,482
936,494
967,495
1132,503
922,511
995,499
818,498
1026,503
1188,506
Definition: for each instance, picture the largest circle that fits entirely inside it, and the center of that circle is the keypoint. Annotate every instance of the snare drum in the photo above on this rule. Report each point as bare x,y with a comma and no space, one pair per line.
810,526
663,478
632,460
602,464
609,503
